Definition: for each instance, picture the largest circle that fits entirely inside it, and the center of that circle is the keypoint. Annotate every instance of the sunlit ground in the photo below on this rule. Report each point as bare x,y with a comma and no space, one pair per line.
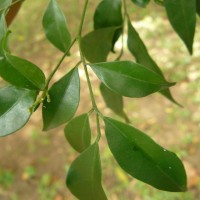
33,164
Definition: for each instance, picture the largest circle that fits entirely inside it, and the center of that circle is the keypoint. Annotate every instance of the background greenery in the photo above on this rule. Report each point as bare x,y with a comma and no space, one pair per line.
33,164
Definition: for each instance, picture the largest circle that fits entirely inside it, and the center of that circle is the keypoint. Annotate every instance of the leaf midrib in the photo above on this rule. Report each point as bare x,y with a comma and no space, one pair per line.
130,77
61,99
10,108
148,156
34,85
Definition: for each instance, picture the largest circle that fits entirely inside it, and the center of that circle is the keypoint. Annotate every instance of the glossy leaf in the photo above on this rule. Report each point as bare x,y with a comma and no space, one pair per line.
113,100
14,110
198,7
141,3
137,47
143,159
182,16
54,24
21,73
96,50
64,100
84,175
78,132
129,79
108,14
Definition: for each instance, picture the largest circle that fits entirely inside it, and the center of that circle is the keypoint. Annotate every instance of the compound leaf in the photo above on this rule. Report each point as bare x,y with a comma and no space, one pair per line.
14,110
144,159
129,79
182,16
78,132
55,27
64,100
137,47
84,175
141,3
97,50
21,73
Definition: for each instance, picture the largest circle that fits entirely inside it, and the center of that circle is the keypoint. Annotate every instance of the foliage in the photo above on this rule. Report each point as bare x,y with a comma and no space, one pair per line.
27,88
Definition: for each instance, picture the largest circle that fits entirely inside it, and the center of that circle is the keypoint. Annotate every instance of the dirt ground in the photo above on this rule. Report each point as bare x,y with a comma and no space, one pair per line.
34,164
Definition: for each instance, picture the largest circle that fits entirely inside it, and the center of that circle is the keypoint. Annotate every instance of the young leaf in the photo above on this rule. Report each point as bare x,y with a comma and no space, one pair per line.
84,175
97,50
21,73
182,16
78,132
54,24
141,3
14,109
108,14
143,159
64,96
113,101
137,47
129,79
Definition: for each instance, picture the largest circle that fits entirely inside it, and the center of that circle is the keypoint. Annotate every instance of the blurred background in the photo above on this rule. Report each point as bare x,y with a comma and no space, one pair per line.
34,164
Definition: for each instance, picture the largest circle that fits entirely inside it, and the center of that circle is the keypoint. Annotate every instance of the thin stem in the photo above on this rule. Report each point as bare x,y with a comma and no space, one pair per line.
123,31
58,65
88,78
44,95
83,17
83,58
87,74
125,7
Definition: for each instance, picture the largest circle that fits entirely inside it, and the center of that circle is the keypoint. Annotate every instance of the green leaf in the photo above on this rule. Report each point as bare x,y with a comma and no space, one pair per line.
141,3
3,29
54,24
129,79
159,2
14,110
97,50
78,132
84,175
21,73
113,101
198,7
143,159
108,14
182,16
137,47
4,5
64,100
